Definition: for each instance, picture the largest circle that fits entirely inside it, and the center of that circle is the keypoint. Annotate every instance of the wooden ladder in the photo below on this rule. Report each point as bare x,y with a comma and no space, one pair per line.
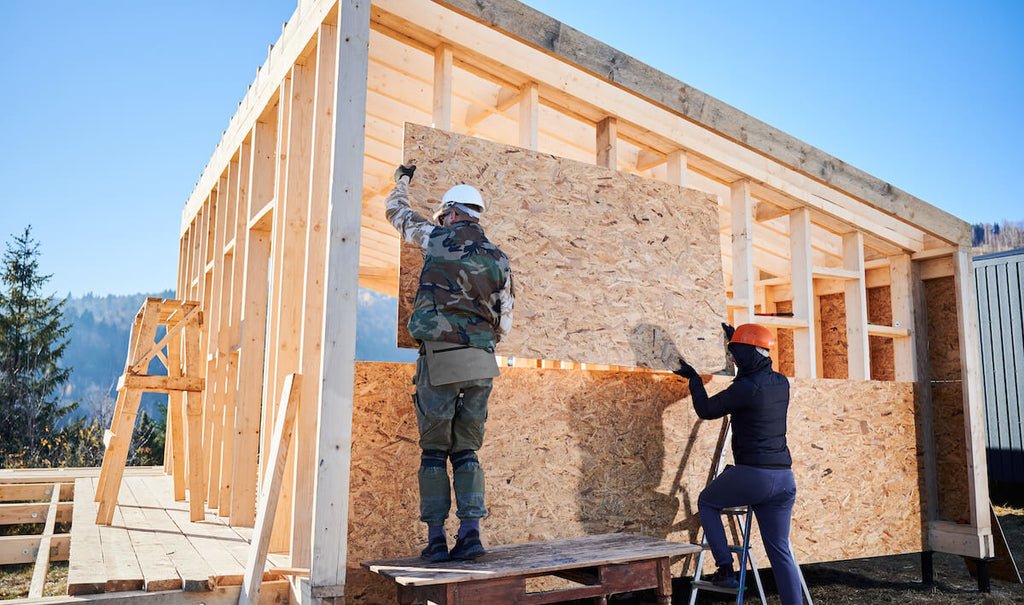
184,381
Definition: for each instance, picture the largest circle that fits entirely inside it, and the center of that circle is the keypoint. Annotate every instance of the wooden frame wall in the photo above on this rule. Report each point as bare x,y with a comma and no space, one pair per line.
275,234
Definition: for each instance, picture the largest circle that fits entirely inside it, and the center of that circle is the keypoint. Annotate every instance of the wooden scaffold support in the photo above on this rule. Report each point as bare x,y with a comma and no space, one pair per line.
183,321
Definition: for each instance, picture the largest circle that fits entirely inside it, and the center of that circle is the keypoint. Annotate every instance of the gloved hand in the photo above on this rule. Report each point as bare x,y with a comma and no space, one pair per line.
728,331
404,170
685,370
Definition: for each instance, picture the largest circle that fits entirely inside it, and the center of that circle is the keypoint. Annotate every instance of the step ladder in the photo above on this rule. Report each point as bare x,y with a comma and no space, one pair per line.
741,520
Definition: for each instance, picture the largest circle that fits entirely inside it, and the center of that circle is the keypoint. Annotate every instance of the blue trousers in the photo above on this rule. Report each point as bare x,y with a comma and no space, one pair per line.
771,494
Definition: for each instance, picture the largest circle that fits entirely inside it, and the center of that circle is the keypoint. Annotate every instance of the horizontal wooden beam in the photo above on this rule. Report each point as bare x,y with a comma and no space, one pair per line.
160,384
11,492
32,512
23,549
835,273
888,331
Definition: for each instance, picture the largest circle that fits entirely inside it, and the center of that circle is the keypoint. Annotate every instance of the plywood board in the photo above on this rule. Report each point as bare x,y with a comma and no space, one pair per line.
610,268
947,400
834,344
883,361
572,453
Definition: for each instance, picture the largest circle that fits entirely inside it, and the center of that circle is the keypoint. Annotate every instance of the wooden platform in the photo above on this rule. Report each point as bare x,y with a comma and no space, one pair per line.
151,545
600,565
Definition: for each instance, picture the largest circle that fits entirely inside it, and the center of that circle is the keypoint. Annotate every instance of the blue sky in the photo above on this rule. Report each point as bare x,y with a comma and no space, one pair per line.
110,110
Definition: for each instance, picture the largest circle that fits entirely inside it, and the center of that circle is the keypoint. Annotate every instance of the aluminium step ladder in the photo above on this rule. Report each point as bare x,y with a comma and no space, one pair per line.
741,520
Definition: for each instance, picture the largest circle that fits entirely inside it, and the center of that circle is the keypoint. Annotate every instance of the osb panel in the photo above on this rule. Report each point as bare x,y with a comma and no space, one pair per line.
883,364
571,453
609,267
784,341
832,331
947,400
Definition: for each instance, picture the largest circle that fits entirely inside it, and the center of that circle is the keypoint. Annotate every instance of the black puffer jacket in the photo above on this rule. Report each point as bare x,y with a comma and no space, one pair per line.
758,400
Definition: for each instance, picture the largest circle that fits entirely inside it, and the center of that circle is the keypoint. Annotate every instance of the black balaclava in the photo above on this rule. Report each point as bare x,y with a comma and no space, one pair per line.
748,359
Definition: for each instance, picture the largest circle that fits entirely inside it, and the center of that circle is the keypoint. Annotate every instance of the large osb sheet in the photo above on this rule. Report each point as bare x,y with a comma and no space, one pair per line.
570,453
609,267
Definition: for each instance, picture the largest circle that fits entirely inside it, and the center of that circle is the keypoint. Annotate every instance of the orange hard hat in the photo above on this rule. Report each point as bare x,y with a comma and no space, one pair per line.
754,334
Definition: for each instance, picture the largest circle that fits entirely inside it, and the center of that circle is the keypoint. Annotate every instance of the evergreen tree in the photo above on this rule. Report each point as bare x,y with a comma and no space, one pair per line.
33,337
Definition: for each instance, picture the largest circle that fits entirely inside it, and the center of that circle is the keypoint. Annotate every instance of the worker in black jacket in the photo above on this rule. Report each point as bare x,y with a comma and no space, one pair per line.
757,401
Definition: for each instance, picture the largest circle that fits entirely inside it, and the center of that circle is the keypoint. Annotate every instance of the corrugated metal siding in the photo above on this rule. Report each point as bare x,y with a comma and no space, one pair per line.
999,281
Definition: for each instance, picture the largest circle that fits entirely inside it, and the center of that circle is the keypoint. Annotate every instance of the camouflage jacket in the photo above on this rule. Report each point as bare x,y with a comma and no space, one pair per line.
465,294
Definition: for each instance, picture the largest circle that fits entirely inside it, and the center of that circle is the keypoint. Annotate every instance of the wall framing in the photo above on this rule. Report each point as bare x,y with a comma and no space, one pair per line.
287,220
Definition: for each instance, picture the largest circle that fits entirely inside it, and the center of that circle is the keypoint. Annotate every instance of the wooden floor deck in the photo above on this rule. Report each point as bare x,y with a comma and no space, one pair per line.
151,544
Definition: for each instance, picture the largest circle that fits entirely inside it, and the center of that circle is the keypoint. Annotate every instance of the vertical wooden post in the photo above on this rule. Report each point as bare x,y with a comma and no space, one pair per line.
253,331
313,295
903,310
675,164
802,278
176,419
858,353
194,430
334,443
923,392
742,215
292,210
529,116
607,143
974,402
443,87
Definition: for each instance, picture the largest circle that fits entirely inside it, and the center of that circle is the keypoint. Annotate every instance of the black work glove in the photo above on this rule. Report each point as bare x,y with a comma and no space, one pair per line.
685,370
728,331
404,170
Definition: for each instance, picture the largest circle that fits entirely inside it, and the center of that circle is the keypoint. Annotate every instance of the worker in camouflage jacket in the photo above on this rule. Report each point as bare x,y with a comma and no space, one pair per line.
463,307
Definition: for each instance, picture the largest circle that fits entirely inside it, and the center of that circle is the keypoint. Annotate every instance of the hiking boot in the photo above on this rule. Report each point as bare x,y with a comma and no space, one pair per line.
436,551
468,547
725,577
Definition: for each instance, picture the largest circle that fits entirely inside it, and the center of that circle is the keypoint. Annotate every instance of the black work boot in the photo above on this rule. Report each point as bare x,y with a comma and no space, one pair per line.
468,547
725,577
436,550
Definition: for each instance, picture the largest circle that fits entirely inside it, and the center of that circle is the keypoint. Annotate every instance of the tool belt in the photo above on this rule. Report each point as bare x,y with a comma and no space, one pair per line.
448,362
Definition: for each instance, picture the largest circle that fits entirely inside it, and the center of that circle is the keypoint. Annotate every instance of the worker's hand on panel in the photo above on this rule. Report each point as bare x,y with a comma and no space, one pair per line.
728,331
685,370
404,170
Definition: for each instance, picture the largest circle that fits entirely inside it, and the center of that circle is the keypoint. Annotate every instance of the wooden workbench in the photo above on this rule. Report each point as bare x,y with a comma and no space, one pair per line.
602,565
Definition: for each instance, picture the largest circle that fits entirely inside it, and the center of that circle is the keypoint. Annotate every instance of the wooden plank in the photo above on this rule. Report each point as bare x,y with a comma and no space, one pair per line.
158,570
443,87
890,332
15,550
836,273
140,366
607,143
310,353
858,353
675,163
270,490
43,554
227,440
65,476
804,340
117,451
86,571
627,272
176,419
274,593
334,438
16,514
122,567
244,473
162,384
191,565
532,558
974,401
13,492
741,215
194,426
903,310
529,115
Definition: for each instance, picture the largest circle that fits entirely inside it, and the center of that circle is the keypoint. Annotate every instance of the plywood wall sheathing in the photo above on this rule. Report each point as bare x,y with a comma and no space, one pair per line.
832,324
880,313
570,452
947,401
609,268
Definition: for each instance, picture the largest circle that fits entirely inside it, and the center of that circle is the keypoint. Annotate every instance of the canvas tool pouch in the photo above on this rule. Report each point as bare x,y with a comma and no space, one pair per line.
448,362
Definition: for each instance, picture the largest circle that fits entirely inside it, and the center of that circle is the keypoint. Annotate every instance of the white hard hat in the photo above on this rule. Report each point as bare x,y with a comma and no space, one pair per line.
467,195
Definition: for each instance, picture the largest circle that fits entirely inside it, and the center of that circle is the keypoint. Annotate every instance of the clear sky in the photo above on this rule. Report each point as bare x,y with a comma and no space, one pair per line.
110,110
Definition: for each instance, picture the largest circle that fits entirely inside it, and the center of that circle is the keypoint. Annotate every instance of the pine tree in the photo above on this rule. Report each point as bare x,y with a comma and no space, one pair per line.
33,337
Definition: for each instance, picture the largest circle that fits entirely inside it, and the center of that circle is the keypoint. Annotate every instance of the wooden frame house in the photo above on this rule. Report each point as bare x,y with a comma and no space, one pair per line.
286,223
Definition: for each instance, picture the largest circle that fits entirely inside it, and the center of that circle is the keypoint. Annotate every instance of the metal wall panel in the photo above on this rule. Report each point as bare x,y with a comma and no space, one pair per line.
999,282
